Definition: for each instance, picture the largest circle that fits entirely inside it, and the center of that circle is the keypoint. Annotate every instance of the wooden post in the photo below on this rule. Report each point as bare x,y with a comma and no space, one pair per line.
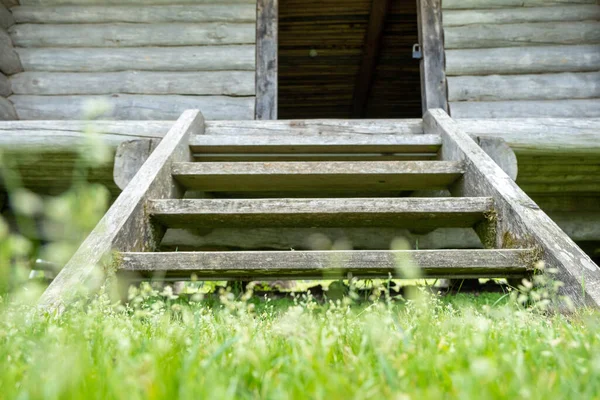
431,39
266,59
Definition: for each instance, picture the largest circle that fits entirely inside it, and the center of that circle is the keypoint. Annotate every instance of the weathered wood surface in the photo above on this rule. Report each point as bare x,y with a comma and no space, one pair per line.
125,227
129,158
561,13
557,187
567,85
324,264
184,58
476,4
414,213
9,59
6,17
523,60
578,108
267,59
10,3
240,12
283,176
132,35
521,35
520,221
229,83
577,224
137,107
5,87
433,78
7,110
127,129
501,153
119,2
316,144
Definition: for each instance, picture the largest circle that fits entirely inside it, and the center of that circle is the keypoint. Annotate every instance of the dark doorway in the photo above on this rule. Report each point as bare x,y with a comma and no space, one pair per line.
321,48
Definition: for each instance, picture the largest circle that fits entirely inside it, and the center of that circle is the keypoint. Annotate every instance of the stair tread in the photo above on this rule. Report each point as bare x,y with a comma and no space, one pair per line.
417,213
319,264
317,175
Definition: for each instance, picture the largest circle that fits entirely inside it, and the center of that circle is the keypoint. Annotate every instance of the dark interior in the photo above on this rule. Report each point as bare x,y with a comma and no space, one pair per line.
321,47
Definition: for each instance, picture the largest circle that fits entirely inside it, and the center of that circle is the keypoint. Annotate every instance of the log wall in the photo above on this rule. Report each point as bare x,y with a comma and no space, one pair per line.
129,59
517,59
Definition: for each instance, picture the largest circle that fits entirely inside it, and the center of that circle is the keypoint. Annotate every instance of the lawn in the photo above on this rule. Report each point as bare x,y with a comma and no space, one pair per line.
236,346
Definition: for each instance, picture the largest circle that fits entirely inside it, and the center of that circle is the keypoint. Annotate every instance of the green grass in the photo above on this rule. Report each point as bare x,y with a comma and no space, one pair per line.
458,346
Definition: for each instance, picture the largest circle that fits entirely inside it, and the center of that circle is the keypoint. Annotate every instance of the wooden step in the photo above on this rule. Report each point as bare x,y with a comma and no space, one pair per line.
332,264
412,213
337,175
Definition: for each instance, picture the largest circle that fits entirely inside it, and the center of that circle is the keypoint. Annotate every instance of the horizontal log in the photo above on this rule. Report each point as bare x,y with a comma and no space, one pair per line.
5,88
201,58
132,35
46,130
413,213
582,226
6,17
520,35
519,15
230,83
523,60
561,188
9,59
582,85
241,12
120,2
290,176
589,108
332,264
7,110
136,107
476,4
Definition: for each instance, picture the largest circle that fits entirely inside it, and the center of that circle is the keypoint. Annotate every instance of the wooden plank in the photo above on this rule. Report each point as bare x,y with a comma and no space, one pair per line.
136,107
414,213
266,59
578,108
132,35
328,264
125,227
566,85
9,59
316,144
520,221
476,4
275,157
229,83
523,60
522,35
7,110
148,14
433,77
6,17
181,58
586,12
5,87
129,158
284,176
501,153
370,55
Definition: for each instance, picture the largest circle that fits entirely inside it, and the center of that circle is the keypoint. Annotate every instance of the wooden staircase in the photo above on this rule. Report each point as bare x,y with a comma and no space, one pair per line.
324,180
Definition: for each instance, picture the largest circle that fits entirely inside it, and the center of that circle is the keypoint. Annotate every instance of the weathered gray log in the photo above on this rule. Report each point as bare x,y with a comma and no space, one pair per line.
433,78
229,83
129,158
523,60
520,35
5,88
561,188
501,153
267,59
147,14
123,130
7,110
132,35
246,144
290,176
475,4
136,107
119,2
582,85
328,264
184,58
580,226
6,17
125,227
519,15
413,213
588,108
9,59
520,223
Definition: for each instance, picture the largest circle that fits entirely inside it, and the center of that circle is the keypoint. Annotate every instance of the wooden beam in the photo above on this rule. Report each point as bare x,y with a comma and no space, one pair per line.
371,50
266,59
126,226
431,39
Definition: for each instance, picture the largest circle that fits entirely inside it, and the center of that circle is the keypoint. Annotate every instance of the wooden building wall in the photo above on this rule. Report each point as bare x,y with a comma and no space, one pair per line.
531,58
141,60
